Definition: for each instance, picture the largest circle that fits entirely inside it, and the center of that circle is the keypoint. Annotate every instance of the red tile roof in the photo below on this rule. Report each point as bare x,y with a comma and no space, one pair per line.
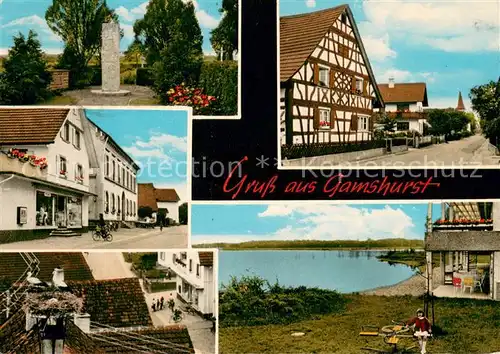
116,302
30,125
174,340
404,93
206,259
149,196
301,34
12,266
14,339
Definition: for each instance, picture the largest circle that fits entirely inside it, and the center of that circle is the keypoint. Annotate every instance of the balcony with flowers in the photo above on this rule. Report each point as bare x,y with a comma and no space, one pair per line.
21,162
463,225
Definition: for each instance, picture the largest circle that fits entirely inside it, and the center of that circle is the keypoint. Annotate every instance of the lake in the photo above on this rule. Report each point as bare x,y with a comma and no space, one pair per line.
344,271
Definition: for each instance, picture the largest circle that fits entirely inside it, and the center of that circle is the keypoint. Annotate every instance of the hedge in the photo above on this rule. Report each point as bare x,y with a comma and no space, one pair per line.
220,79
295,151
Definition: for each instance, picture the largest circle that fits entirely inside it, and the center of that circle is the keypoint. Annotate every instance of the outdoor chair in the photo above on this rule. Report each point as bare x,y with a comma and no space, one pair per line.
468,283
478,283
457,284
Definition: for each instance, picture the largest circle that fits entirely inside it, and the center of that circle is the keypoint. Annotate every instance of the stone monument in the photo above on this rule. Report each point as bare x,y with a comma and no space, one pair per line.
110,61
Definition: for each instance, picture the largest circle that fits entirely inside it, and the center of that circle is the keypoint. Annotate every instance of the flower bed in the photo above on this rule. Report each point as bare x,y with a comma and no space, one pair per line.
463,222
460,224
193,97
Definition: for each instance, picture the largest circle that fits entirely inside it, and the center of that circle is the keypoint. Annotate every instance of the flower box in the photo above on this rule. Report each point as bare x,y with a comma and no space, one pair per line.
63,173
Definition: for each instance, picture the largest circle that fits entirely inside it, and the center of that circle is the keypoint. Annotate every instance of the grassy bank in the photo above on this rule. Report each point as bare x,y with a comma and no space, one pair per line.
470,326
410,258
317,245
251,301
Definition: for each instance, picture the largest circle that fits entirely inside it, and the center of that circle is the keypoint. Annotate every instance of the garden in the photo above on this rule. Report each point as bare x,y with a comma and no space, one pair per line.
144,266
165,67
329,322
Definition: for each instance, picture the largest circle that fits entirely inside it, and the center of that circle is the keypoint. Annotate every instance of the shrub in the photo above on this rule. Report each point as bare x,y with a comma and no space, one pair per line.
252,301
25,79
96,76
128,77
220,79
144,77
294,151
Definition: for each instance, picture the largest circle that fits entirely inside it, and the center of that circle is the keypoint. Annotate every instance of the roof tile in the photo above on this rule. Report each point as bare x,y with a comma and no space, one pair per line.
404,92
30,125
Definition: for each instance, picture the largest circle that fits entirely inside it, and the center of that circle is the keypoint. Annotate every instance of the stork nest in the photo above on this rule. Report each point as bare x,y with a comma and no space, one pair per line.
53,303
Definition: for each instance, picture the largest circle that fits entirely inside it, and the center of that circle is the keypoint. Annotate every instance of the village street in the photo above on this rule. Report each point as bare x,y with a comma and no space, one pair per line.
170,237
472,151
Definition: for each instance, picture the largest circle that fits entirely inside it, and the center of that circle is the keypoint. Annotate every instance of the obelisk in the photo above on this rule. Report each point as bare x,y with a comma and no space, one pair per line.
110,60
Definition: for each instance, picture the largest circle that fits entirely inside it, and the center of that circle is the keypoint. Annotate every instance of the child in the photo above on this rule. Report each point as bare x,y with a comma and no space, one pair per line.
422,329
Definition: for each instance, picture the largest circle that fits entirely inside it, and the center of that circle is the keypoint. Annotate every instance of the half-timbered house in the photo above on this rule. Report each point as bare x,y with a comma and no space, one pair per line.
328,89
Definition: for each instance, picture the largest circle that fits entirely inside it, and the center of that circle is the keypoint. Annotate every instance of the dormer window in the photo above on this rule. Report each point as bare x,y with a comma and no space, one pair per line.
324,76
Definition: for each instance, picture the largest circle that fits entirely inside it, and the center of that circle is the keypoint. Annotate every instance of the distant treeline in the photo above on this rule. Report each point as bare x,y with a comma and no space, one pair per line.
389,243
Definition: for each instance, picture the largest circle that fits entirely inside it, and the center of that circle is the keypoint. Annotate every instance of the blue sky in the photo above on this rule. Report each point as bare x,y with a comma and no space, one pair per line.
155,139
450,45
31,15
300,221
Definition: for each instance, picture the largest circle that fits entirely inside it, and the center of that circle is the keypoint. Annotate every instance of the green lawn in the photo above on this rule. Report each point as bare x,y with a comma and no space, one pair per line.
470,326
59,101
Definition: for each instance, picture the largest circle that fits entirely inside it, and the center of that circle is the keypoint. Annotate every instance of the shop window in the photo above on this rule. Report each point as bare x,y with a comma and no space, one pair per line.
61,206
74,212
44,209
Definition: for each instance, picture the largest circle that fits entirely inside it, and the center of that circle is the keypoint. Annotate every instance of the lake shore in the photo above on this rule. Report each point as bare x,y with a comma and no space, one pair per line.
414,286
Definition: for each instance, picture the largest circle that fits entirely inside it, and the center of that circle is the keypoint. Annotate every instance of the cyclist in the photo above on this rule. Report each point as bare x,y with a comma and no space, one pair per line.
422,327
101,226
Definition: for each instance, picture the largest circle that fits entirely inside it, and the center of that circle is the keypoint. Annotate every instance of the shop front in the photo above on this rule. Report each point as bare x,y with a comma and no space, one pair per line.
58,210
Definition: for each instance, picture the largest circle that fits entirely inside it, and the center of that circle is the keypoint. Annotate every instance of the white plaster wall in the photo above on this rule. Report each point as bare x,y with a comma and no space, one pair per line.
414,107
496,274
173,209
13,193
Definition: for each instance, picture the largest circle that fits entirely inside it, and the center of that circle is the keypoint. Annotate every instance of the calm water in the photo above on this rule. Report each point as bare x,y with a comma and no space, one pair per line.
344,271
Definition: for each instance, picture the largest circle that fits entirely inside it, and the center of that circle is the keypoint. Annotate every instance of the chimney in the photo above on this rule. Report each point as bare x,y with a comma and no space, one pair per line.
82,321
391,82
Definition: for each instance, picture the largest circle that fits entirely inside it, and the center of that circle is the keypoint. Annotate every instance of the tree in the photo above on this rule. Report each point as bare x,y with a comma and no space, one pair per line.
79,24
145,211
183,214
135,52
389,123
165,21
172,39
458,120
485,101
439,120
25,79
225,37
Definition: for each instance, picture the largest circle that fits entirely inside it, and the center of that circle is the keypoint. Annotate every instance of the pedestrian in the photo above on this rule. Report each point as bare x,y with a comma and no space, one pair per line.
158,304
154,305
162,300
161,225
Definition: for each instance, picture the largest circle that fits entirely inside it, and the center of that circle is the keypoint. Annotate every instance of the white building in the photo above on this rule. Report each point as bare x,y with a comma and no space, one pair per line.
328,89
196,283
406,102
161,200
44,173
113,177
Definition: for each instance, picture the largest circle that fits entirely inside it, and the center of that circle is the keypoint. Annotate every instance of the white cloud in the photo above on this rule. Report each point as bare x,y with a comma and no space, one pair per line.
383,74
164,141
36,23
128,31
51,51
340,222
204,19
311,3
449,26
132,14
449,102
201,239
378,48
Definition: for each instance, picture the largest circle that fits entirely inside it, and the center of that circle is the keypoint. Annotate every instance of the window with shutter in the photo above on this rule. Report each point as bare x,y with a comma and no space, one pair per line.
365,87
316,74
353,83
332,78
354,122
316,119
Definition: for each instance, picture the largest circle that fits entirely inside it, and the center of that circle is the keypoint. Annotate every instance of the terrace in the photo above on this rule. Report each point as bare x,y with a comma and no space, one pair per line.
467,240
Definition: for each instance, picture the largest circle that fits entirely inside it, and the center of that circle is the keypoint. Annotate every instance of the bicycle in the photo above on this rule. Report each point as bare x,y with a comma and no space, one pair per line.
102,234
391,336
177,316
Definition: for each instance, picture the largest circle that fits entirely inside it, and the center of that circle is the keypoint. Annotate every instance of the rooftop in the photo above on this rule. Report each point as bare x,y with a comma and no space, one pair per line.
31,125
149,196
404,93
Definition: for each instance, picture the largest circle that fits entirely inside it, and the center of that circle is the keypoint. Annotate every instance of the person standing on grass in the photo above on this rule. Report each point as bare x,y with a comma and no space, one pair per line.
423,329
